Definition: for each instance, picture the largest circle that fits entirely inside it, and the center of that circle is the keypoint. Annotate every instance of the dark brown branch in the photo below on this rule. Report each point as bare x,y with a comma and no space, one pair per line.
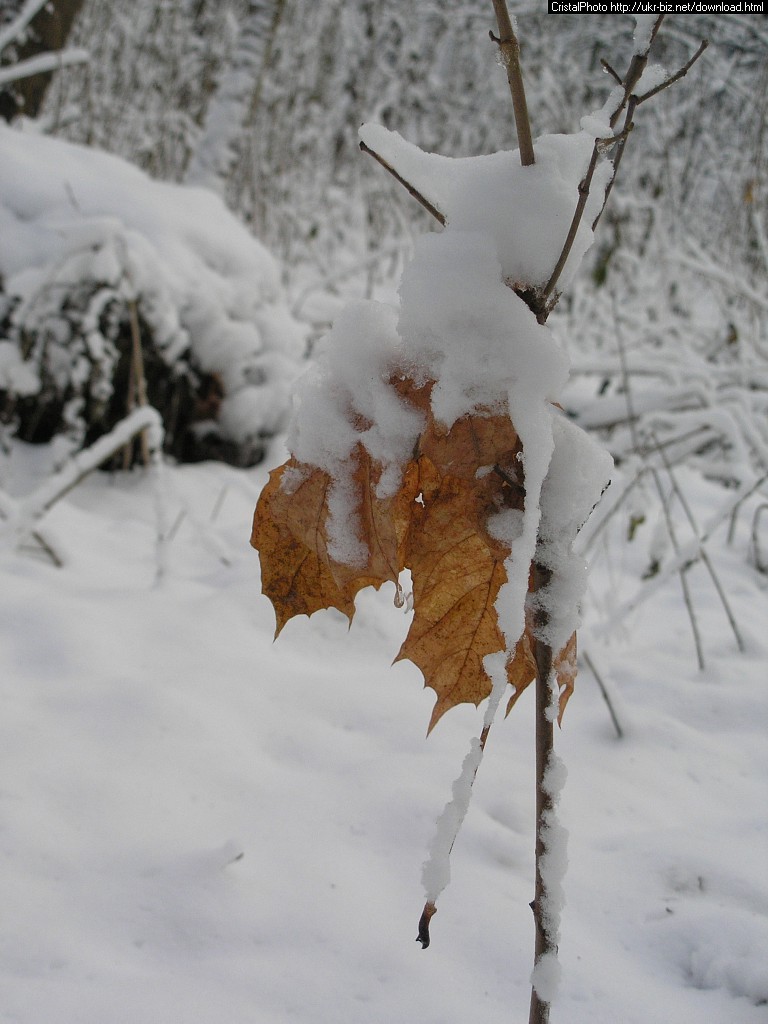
617,159
440,217
578,213
510,56
605,694
427,914
545,738
677,75
430,908
614,74
627,106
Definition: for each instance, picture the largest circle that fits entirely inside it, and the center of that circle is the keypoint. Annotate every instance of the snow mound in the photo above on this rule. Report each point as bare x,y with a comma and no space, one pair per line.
85,225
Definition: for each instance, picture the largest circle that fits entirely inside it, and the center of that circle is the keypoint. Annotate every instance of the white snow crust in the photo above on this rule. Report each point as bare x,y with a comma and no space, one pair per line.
653,76
641,37
545,977
579,471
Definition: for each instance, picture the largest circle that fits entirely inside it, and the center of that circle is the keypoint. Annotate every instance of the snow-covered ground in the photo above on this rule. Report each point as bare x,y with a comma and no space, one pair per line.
198,825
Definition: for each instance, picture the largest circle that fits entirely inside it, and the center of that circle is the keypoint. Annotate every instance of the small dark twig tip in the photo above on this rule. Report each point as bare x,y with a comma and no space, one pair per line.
427,914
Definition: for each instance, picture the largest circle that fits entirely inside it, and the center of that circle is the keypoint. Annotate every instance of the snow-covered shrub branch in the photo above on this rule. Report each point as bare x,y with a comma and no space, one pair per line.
42,64
87,242
17,26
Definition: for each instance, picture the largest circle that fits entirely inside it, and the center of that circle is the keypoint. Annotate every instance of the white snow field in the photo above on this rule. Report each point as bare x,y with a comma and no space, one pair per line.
198,825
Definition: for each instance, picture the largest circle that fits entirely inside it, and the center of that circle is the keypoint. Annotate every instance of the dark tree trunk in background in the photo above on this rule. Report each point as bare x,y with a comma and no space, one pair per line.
46,33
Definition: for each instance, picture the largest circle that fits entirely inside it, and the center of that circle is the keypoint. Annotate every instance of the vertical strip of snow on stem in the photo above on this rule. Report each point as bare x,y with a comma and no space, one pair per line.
579,471
545,977
436,871
529,412
643,34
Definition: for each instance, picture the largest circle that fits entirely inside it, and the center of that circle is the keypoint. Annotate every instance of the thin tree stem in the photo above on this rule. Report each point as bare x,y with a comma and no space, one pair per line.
632,423
439,217
605,694
137,376
545,942
578,213
510,55
707,562
677,75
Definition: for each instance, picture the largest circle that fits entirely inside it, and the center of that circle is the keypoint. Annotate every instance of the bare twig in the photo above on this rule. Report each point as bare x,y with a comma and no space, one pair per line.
627,106
760,563
632,419
578,213
631,104
48,548
546,941
509,48
688,555
606,696
677,75
706,560
614,74
406,184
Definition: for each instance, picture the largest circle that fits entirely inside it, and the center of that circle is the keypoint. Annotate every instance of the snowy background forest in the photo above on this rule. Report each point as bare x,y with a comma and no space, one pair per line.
199,825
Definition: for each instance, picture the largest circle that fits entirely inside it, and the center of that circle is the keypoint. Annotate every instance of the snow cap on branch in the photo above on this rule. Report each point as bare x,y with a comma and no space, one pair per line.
526,210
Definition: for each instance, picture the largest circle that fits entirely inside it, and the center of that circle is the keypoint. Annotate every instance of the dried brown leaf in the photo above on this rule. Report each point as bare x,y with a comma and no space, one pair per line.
473,443
521,669
289,533
565,673
436,524
456,578
382,522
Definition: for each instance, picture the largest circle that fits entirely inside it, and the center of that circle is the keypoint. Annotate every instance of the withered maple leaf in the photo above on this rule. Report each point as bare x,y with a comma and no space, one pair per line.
290,532
456,578
435,524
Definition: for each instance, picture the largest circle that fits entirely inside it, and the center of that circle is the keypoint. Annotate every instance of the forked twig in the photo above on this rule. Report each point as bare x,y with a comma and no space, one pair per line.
677,75
629,102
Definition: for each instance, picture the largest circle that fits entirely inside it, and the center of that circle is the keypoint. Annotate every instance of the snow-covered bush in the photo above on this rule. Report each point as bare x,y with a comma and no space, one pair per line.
95,258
